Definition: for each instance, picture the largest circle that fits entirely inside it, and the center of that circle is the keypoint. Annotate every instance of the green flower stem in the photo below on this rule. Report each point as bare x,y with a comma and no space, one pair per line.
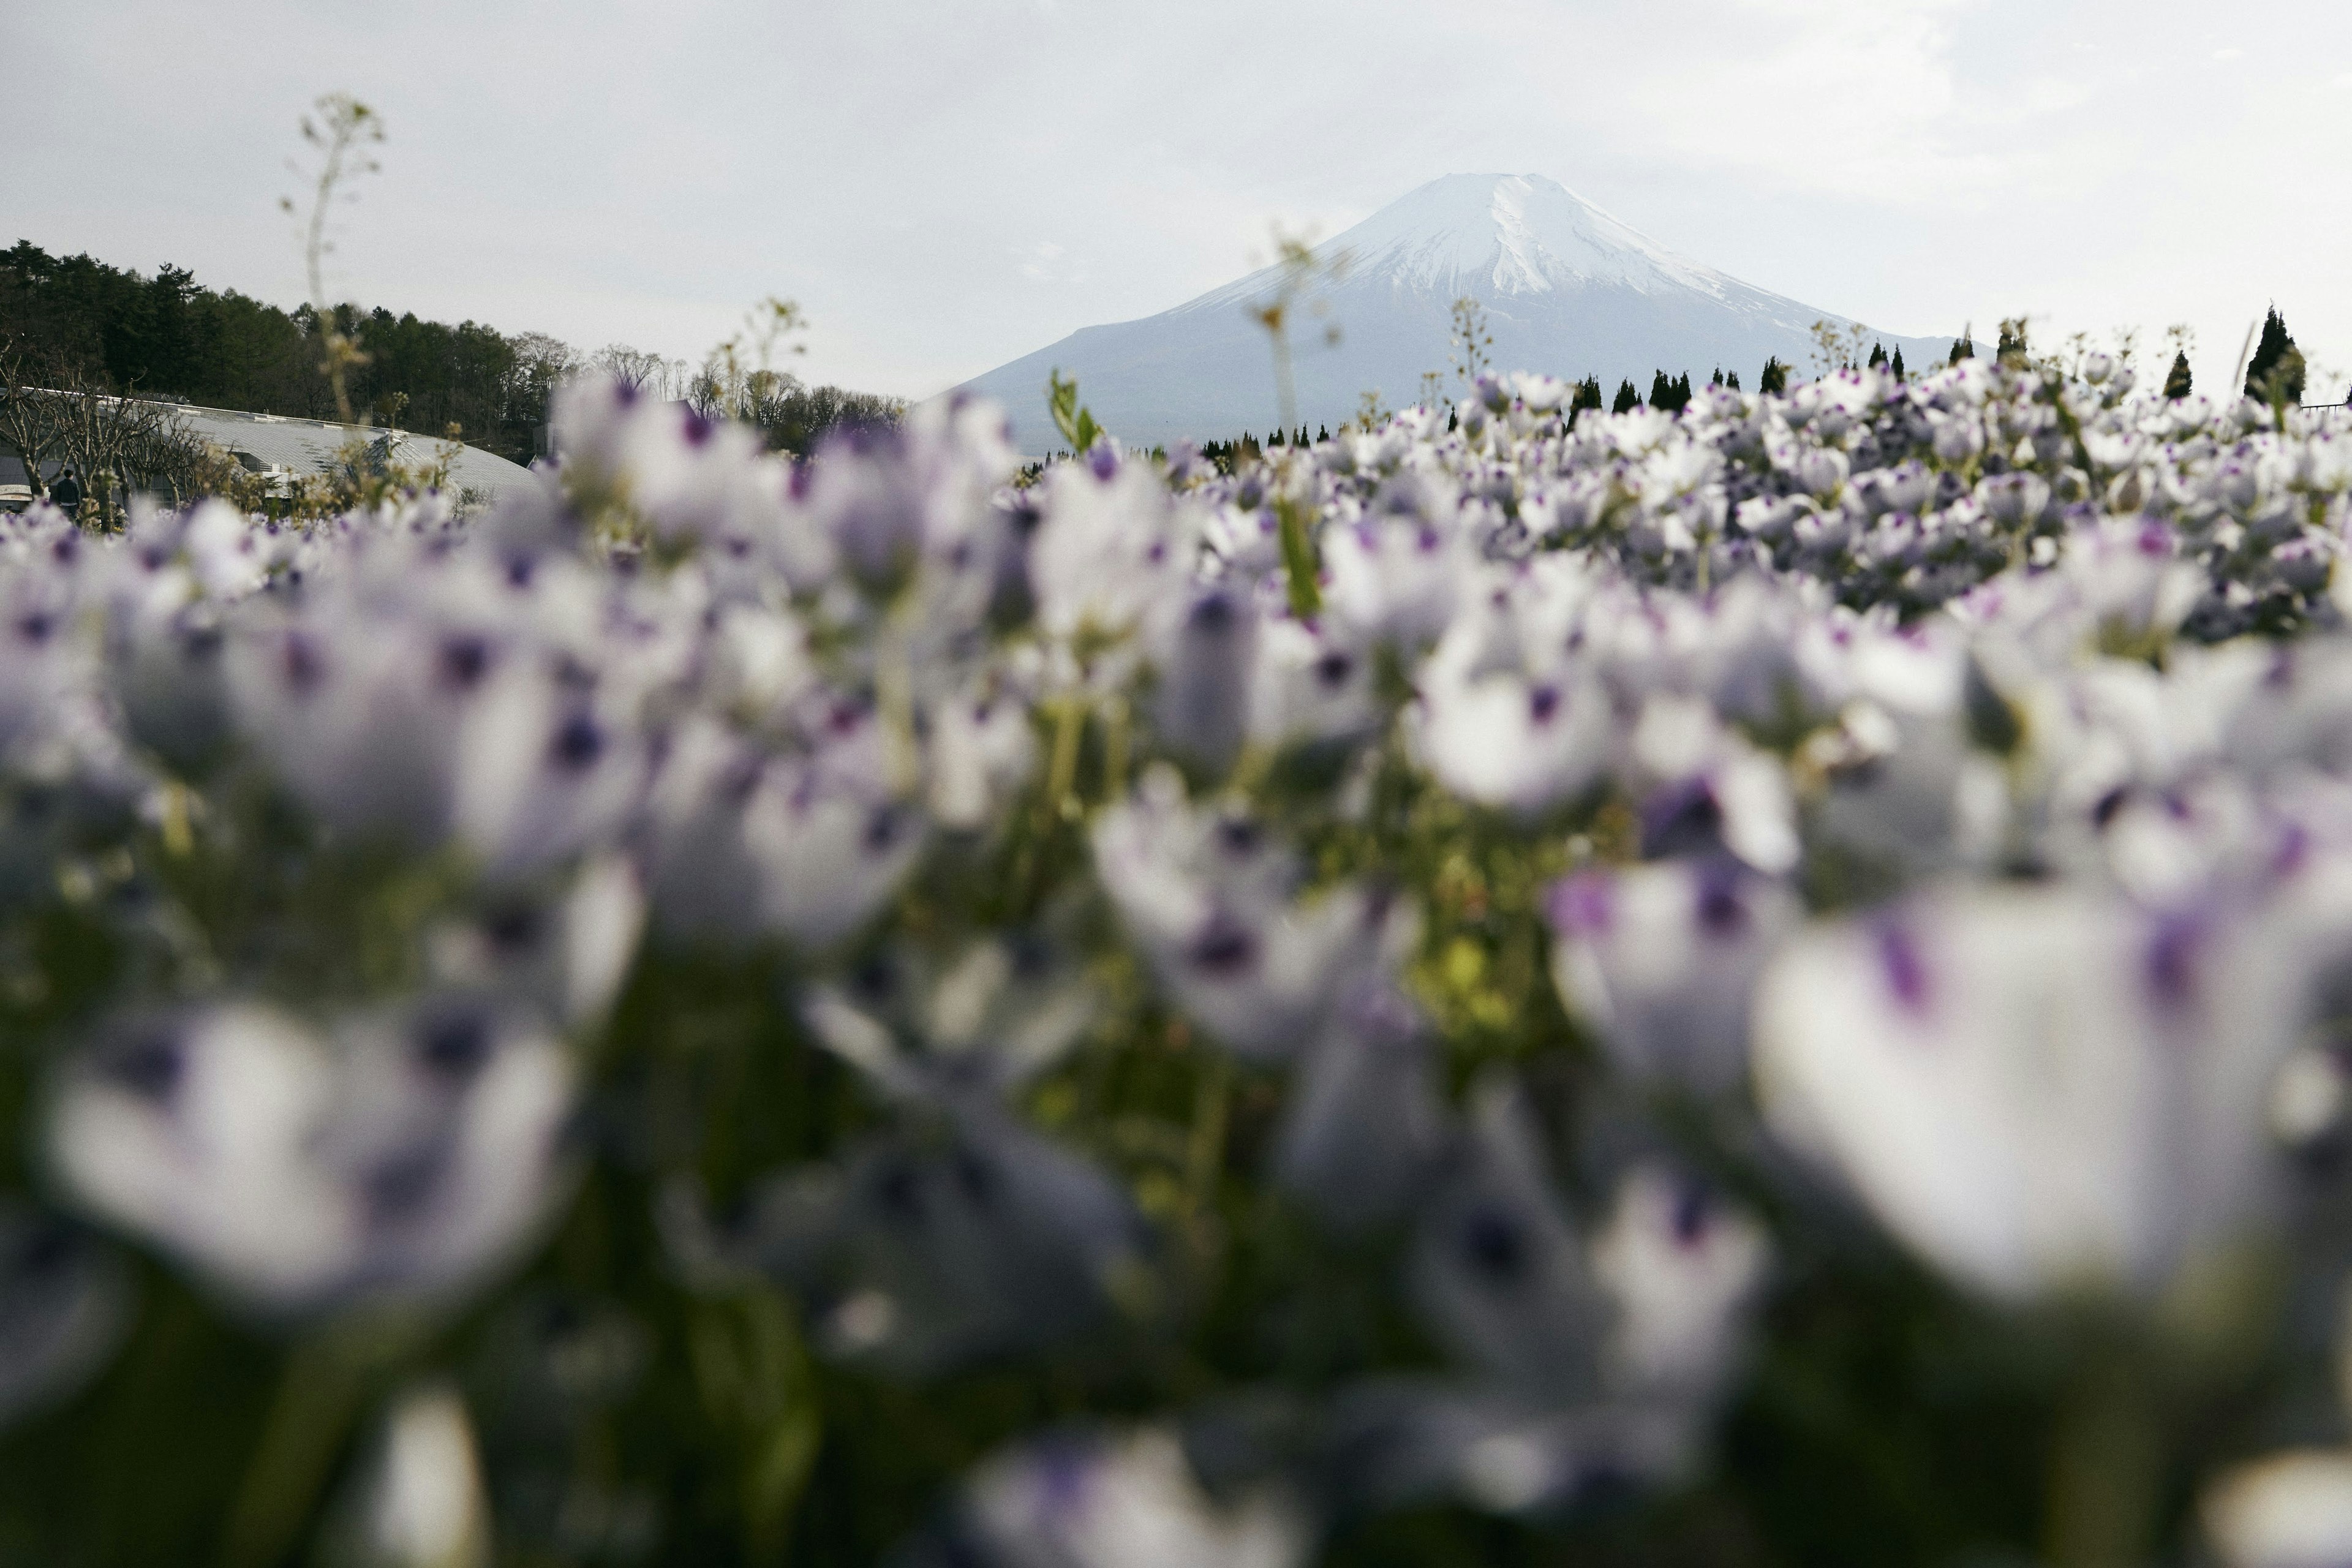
2106,1468
319,1397
1298,562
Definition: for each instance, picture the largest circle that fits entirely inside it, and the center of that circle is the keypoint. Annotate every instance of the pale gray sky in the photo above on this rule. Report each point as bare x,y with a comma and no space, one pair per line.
945,186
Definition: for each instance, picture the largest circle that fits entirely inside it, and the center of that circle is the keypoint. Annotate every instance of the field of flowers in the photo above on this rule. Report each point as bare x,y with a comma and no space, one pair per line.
1770,984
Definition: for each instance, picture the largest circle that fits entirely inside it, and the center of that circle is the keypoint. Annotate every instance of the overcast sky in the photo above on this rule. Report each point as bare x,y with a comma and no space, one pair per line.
945,185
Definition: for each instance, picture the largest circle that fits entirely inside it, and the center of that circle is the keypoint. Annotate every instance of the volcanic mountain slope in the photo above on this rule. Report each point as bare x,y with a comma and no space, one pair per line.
1566,290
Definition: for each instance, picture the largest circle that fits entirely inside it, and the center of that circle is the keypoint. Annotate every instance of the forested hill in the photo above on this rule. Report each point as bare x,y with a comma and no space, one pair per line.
169,335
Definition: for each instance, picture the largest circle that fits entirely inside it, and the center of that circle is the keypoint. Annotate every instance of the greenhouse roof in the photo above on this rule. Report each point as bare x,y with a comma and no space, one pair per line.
307,445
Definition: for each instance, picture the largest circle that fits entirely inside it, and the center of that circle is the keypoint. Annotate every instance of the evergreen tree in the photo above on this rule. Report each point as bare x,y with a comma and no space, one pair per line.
2179,382
1626,398
1716,379
1661,391
169,335
1731,381
1878,355
1775,378
1900,374
2276,373
1963,347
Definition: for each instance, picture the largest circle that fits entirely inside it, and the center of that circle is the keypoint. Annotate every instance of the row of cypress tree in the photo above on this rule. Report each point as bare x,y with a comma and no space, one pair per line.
2277,372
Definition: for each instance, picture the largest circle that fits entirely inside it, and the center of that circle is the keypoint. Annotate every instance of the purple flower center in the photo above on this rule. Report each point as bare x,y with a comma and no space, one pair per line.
1721,911
2172,960
455,1045
2294,850
151,1066
1212,615
303,667
1681,820
1224,950
1584,904
1690,1214
1905,970
578,743
1493,1244
882,831
402,1184
463,661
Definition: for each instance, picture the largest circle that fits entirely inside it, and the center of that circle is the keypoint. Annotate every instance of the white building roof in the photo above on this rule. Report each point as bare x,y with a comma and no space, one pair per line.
307,445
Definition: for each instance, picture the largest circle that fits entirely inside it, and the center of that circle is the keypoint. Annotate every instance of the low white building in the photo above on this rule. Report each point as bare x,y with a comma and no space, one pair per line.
276,444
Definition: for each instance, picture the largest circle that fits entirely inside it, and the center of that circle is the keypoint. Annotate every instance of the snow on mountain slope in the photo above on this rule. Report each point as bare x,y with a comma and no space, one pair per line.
1566,290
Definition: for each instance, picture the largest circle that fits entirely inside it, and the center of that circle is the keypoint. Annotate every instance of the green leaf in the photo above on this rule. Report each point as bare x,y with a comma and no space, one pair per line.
1298,558
1076,423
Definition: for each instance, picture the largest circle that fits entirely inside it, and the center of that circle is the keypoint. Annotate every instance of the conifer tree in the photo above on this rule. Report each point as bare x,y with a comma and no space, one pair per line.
1775,378
1716,378
1731,381
1899,373
1878,355
1661,391
2277,372
2179,382
1626,398
1963,347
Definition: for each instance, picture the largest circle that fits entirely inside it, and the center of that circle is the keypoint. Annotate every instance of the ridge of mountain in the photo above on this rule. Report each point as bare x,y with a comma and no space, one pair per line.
1567,288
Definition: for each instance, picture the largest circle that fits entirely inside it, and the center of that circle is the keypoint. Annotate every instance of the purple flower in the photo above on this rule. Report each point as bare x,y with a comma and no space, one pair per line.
2041,1090
416,1152
1213,902
1662,960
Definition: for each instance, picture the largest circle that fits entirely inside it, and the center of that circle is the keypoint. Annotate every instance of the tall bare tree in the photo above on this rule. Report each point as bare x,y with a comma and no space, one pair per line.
639,370
27,425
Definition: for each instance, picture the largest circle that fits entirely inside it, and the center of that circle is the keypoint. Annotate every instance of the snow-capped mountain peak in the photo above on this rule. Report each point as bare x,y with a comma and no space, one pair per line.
1567,288
1520,234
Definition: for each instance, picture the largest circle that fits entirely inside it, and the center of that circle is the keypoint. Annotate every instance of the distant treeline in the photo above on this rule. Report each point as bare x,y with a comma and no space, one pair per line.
1670,392
168,336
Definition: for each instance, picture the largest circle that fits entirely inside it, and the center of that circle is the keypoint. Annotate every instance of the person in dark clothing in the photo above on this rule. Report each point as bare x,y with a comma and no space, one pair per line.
66,493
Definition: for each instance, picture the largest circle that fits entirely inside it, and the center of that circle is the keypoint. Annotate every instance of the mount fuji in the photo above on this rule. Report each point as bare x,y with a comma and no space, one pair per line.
1566,290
